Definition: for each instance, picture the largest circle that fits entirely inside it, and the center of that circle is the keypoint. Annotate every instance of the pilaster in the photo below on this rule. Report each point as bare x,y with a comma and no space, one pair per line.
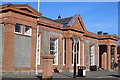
108,57
68,53
8,55
115,54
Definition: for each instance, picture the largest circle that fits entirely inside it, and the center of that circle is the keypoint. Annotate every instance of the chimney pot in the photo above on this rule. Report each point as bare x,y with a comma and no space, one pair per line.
105,34
100,33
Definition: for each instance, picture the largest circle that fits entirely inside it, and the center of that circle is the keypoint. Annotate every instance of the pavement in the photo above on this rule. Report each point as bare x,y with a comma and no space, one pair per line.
90,75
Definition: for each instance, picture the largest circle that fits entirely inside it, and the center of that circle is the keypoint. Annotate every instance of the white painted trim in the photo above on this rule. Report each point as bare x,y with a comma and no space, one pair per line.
38,5
36,49
38,53
98,55
79,54
83,55
27,33
21,29
78,57
73,55
93,48
93,55
56,53
63,50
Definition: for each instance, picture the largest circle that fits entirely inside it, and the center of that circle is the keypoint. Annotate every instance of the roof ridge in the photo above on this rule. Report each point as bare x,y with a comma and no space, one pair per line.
46,18
71,21
63,18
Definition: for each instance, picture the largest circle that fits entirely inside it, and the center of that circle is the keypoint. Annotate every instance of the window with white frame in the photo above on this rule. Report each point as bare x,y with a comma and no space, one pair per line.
77,53
54,49
64,51
27,30
18,28
92,55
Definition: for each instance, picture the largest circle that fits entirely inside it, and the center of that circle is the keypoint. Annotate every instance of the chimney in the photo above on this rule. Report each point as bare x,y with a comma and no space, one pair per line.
100,33
59,17
105,34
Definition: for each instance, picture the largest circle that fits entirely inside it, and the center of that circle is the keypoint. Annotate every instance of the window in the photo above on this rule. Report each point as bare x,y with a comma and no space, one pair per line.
28,30
92,55
18,28
64,51
73,53
54,49
77,53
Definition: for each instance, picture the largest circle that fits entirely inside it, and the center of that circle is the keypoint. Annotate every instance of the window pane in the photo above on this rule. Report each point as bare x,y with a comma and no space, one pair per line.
52,52
53,49
28,30
52,44
92,55
64,51
18,28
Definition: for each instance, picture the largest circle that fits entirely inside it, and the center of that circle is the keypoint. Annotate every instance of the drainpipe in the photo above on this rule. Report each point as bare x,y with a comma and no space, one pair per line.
37,49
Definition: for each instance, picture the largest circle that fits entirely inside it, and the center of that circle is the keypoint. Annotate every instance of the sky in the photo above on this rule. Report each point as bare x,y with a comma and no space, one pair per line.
60,0
97,16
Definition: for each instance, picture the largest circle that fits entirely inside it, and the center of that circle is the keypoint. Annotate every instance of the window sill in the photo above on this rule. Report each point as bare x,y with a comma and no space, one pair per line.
22,34
28,34
17,33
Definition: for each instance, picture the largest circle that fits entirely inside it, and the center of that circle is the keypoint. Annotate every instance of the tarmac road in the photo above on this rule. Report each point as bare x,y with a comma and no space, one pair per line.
90,75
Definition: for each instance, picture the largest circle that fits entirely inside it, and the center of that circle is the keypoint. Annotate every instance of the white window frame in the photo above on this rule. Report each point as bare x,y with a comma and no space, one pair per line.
79,55
28,33
73,54
76,55
21,29
64,51
92,55
56,51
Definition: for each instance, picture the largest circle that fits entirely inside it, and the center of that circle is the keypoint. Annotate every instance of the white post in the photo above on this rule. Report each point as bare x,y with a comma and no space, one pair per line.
37,40
36,50
38,5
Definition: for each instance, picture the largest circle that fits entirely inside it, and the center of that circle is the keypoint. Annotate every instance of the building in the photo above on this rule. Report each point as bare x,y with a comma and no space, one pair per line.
18,29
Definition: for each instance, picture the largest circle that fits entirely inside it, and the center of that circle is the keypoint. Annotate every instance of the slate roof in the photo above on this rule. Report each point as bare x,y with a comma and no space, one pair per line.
64,21
47,18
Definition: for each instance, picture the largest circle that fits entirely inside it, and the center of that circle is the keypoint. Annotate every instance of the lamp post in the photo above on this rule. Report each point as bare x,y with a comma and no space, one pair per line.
75,39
